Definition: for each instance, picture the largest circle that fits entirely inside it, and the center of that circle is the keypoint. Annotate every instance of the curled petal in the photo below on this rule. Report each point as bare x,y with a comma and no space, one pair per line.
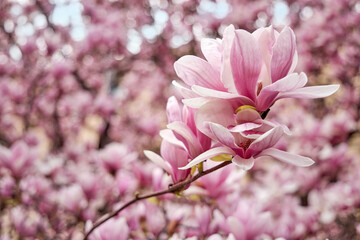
223,135
191,141
289,83
266,140
243,163
247,115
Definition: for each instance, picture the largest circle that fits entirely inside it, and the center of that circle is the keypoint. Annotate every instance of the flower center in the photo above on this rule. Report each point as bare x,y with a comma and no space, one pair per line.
243,107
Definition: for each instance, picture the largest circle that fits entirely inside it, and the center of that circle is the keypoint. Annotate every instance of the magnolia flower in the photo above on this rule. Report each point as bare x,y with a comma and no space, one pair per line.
250,69
182,130
171,159
243,136
181,141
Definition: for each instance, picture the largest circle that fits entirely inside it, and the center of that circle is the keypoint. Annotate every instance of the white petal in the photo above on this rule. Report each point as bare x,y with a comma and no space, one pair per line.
158,160
195,102
208,154
169,136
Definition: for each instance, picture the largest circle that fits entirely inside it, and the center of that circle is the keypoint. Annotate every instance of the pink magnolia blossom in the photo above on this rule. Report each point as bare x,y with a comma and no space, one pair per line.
250,69
115,156
181,141
244,135
171,159
182,130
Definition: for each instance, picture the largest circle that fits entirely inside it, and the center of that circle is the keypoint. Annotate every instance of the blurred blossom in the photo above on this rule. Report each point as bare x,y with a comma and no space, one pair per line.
85,87
18,158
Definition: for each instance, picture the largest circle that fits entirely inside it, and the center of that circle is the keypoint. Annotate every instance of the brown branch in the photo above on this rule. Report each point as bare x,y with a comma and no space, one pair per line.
46,14
172,189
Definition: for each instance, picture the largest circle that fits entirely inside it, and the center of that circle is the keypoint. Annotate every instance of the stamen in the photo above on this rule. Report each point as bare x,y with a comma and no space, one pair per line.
243,107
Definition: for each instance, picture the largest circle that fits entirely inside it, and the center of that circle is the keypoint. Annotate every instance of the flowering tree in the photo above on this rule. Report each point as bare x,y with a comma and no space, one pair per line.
83,96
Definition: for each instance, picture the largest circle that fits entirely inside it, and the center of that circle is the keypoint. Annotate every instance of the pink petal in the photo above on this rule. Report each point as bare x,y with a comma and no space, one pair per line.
216,111
195,71
174,155
189,118
246,63
223,135
311,92
247,115
266,40
184,91
158,160
294,62
243,163
267,140
286,130
195,102
226,73
288,83
209,154
236,227
191,141
283,54
211,50
244,127
287,157
170,137
173,111
268,94
206,92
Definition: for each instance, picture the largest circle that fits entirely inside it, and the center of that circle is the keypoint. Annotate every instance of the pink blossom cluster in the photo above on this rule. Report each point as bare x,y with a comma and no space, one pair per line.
76,114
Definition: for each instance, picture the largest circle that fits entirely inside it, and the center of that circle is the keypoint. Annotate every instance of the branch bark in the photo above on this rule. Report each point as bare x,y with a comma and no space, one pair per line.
172,189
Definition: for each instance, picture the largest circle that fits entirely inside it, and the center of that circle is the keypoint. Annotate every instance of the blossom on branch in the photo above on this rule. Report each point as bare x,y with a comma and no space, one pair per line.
253,69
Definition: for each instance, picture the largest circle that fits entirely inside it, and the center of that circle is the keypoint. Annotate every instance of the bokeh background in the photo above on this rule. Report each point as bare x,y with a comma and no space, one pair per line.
83,90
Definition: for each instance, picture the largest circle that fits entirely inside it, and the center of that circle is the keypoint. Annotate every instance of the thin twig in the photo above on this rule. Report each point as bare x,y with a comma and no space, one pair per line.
172,189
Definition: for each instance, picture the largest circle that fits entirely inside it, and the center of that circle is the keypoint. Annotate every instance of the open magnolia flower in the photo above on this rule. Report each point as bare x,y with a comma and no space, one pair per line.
242,136
250,69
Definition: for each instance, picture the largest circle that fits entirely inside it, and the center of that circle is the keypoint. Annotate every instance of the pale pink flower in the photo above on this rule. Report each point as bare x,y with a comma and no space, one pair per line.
171,159
182,130
181,141
250,69
114,229
115,156
243,135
